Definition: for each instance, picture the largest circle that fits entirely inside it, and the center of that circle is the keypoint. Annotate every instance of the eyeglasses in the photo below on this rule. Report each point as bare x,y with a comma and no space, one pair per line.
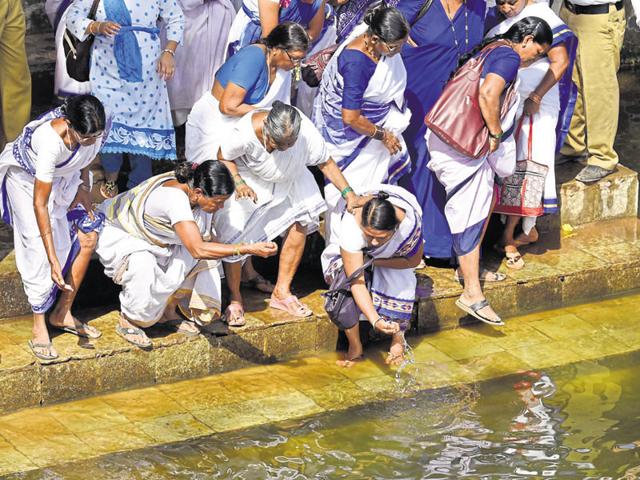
85,138
394,48
295,61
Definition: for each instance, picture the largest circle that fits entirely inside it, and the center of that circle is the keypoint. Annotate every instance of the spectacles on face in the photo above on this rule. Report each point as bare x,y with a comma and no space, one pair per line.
393,48
88,138
295,61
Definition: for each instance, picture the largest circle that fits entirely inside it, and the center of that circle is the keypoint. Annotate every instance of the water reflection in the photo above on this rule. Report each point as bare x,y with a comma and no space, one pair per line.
579,421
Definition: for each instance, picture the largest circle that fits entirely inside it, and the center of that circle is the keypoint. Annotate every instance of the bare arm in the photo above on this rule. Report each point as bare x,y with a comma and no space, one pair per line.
401,263
316,24
558,64
232,100
41,194
190,237
269,13
332,173
489,99
363,126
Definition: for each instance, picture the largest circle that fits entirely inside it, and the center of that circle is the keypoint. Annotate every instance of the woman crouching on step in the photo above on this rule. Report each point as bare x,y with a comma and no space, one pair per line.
158,243
387,229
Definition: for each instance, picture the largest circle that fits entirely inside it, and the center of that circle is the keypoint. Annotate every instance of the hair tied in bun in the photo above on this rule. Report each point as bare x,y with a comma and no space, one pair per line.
382,195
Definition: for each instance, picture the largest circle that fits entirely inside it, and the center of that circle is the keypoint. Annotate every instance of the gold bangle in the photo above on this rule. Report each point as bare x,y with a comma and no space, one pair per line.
535,98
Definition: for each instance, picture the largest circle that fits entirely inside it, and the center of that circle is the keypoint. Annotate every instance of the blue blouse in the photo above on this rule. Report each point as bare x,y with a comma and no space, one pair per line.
247,69
356,69
502,61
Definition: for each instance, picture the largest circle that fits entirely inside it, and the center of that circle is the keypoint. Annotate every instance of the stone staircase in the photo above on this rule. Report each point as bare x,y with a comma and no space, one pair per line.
569,265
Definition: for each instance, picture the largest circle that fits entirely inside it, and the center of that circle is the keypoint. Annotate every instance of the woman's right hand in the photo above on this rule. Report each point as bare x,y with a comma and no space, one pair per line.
494,143
57,277
385,326
263,249
245,191
391,142
108,29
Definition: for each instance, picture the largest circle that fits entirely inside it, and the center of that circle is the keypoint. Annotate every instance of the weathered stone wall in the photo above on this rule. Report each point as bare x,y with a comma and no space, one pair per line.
37,22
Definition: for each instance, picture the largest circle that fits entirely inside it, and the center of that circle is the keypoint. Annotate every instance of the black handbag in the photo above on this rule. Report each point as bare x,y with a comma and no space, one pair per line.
338,300
78,53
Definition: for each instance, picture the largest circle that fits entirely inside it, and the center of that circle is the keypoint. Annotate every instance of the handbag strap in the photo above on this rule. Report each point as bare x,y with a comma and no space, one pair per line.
530,139
423,10
94,9
359,271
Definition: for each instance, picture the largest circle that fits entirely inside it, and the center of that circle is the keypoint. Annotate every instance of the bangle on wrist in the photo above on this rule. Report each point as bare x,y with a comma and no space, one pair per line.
236,250
378,134
168,50
345,191
376,321
496,136
535,98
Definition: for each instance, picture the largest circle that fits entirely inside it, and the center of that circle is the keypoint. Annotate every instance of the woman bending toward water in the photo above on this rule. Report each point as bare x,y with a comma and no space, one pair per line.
255,77
45,198
469,182
388,228
268,152
158,243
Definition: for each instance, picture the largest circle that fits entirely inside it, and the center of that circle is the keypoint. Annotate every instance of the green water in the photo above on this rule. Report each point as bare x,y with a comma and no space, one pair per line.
577,421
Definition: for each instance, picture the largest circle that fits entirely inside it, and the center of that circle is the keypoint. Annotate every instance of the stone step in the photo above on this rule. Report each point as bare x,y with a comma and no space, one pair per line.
614,197
593,261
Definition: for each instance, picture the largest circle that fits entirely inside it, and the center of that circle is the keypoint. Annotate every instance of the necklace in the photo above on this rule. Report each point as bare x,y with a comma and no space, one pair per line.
466,29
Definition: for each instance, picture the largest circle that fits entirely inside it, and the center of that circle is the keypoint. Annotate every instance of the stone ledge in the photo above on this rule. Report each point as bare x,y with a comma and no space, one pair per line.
110,363
591,262
594,261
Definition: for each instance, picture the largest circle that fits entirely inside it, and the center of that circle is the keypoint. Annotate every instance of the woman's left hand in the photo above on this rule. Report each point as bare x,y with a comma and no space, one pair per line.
355,201
83,198
530,107
166,66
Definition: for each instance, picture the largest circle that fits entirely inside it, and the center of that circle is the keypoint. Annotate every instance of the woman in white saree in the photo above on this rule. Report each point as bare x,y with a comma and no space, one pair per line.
360,109
255,77
550,95
45,184
469,182
159,245
268,152
387,228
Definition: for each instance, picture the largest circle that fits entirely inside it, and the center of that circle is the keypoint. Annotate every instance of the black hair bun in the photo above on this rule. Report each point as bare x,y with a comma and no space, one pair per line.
382,195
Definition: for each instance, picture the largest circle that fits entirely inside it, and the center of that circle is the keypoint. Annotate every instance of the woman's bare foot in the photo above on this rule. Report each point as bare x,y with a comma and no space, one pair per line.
72,325
524,239
487,312
353,356
396,351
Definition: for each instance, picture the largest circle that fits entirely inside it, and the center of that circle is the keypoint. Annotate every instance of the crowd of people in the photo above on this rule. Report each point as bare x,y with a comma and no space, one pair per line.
396,189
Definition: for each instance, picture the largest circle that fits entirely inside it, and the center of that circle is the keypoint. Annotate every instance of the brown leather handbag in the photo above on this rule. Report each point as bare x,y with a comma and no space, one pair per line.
456,117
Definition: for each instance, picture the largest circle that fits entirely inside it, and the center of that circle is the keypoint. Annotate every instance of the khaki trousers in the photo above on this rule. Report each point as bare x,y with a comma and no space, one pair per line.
595,120
15,79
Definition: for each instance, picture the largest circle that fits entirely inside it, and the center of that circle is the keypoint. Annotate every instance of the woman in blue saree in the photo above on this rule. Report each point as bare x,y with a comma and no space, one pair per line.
448,30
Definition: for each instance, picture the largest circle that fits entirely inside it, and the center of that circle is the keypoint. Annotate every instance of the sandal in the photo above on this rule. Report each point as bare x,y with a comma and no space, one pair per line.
292,305
128,332
474,311
109,189
234,315
89,332
485,276
514,260
182,326
258,283
47,356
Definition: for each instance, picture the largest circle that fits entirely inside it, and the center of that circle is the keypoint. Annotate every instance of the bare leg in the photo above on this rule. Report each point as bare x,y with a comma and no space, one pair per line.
470,268
290,257
40,335
355,347
233,274
61,315
509,230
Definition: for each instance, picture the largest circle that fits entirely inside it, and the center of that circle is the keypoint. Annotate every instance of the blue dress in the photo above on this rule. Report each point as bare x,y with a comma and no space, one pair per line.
247,69
429,66
356,69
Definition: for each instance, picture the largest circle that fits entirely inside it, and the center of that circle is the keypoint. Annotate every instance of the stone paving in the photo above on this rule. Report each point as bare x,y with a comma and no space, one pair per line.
307,386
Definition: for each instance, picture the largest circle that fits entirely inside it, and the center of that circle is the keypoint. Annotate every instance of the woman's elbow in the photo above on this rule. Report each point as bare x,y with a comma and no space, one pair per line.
227,109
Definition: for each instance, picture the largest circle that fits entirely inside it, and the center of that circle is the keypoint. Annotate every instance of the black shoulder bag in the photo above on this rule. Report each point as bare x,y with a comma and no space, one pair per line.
77,53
